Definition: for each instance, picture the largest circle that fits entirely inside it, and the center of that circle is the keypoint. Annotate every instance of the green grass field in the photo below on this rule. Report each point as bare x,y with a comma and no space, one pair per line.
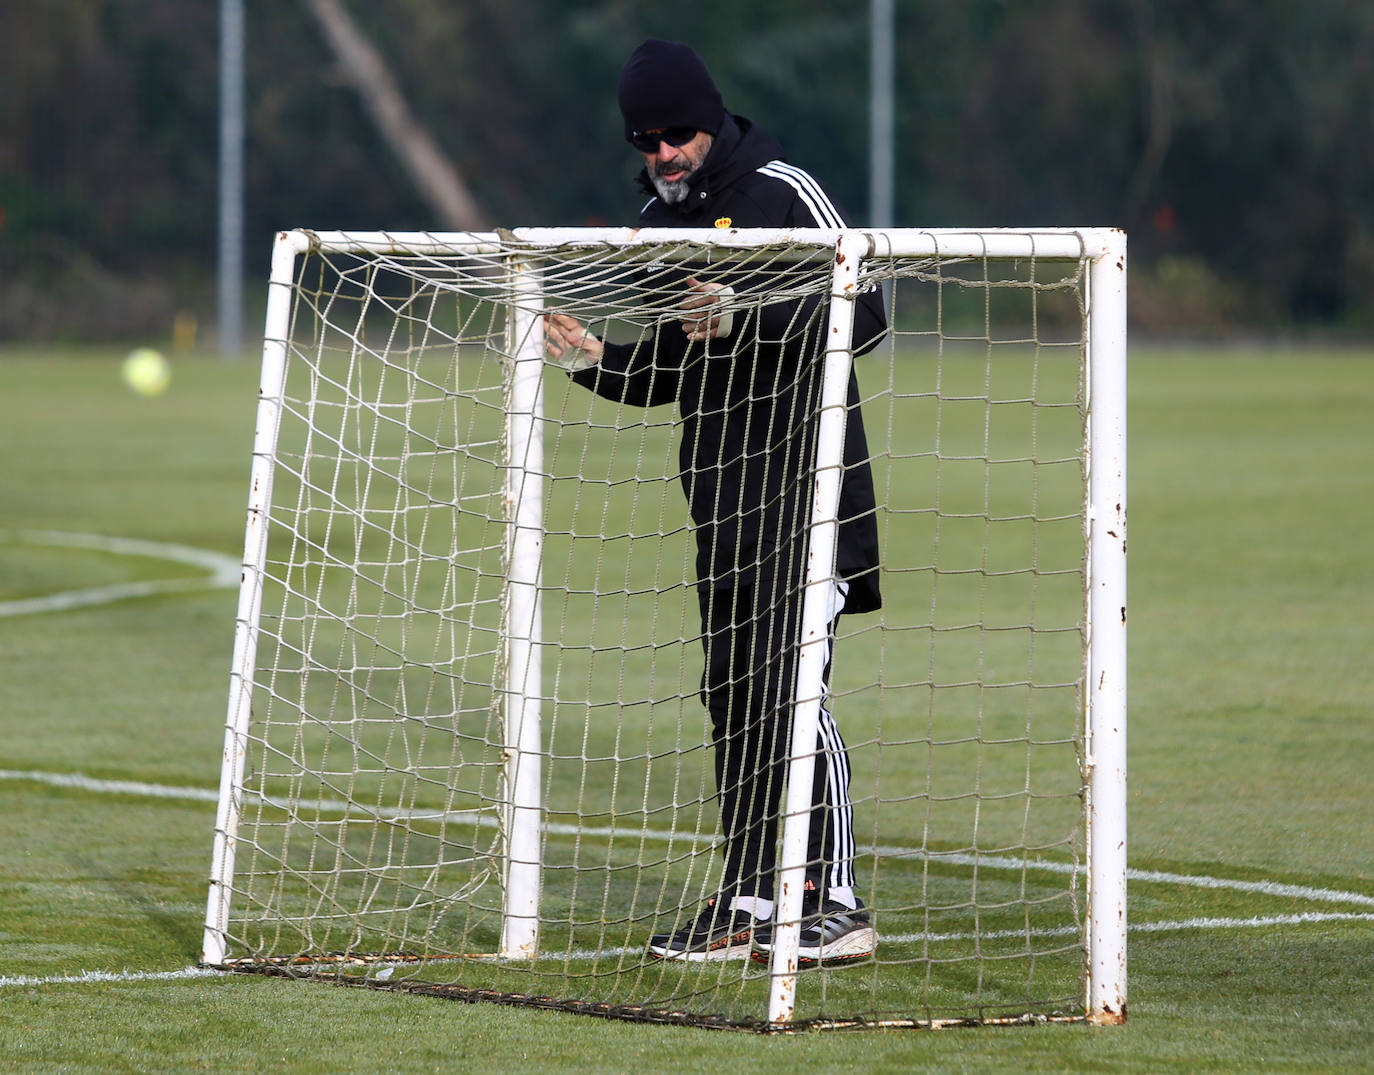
1252,745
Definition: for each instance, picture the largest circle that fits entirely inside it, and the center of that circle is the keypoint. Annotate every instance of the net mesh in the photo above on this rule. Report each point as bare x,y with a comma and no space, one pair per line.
372,823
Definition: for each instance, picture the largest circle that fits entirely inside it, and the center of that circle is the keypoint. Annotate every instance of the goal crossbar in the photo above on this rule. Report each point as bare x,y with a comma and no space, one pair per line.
1049,244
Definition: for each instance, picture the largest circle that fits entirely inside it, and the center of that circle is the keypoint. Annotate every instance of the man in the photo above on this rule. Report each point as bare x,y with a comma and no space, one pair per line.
742,367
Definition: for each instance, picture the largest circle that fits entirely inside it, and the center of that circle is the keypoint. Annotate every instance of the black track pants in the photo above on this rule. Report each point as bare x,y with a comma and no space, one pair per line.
750,641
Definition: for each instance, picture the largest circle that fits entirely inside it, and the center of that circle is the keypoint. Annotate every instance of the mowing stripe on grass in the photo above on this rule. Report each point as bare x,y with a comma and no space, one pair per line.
989,862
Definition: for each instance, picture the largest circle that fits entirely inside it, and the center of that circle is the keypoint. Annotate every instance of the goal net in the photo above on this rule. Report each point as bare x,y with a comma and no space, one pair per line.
467,751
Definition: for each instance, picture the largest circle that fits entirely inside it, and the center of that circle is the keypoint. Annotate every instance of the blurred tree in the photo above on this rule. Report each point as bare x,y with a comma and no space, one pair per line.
433,173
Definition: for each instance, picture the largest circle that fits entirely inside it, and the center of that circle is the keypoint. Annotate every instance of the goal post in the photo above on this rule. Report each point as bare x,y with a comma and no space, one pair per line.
524,613
289,246
812,646
464,751
1105,527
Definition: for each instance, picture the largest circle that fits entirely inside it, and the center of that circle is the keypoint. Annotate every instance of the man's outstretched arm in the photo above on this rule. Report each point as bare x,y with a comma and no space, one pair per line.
642,374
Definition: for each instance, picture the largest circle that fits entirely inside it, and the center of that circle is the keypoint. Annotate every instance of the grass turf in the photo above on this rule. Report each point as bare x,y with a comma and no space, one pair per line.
1252,610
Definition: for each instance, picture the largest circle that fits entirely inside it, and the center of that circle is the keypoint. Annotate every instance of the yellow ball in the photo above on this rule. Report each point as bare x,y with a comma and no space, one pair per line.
147,372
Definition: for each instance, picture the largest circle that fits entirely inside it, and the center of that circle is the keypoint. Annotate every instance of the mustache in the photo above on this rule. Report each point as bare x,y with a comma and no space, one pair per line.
662,168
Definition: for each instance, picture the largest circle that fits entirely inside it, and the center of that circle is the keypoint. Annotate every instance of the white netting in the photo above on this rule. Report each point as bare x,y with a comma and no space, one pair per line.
371,835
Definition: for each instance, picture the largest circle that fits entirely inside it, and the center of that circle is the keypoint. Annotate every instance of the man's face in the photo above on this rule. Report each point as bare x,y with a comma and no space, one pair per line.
670,167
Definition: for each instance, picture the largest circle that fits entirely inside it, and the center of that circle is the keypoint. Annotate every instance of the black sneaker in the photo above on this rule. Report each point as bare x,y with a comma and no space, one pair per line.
831,934
717,934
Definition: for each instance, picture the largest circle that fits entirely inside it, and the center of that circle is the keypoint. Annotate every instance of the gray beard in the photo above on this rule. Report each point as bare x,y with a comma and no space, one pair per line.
672,193
677,191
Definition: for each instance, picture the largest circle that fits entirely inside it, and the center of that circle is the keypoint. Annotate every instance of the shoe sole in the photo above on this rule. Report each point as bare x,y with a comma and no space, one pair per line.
736,946
859,944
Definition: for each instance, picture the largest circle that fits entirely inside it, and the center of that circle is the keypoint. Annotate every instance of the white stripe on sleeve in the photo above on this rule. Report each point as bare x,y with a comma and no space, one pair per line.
822,209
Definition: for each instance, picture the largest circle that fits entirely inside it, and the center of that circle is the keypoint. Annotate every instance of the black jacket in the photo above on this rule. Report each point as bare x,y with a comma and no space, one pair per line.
747,402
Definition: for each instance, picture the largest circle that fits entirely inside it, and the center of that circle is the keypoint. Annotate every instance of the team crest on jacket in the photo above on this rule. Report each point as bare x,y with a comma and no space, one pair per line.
723,221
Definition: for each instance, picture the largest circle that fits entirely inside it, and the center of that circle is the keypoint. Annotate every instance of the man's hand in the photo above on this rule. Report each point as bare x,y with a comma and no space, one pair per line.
703,319
567,342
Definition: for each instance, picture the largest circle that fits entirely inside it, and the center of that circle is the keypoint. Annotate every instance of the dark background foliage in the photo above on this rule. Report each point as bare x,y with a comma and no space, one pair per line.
1231,138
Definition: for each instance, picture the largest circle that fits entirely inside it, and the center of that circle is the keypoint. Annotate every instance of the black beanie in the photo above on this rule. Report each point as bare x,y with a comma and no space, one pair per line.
666,84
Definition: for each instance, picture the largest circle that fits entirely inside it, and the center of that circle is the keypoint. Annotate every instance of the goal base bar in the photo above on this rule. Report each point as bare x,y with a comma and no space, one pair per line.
631,1013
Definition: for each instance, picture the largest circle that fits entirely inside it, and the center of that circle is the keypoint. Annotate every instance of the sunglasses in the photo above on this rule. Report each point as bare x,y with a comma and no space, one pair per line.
647,141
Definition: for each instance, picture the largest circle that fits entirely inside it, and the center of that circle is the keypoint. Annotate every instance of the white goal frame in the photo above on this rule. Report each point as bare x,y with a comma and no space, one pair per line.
1104,691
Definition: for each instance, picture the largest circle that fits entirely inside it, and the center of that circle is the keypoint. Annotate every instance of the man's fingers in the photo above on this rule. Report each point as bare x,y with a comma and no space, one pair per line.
702,320
560,333
564,335
700,328
704,294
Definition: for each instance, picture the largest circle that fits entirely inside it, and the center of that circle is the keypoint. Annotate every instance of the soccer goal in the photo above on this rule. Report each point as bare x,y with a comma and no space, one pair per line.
466,753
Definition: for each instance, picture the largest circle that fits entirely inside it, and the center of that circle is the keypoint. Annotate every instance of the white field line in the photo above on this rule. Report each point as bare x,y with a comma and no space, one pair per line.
222,571
30,981
982,862
1257,922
